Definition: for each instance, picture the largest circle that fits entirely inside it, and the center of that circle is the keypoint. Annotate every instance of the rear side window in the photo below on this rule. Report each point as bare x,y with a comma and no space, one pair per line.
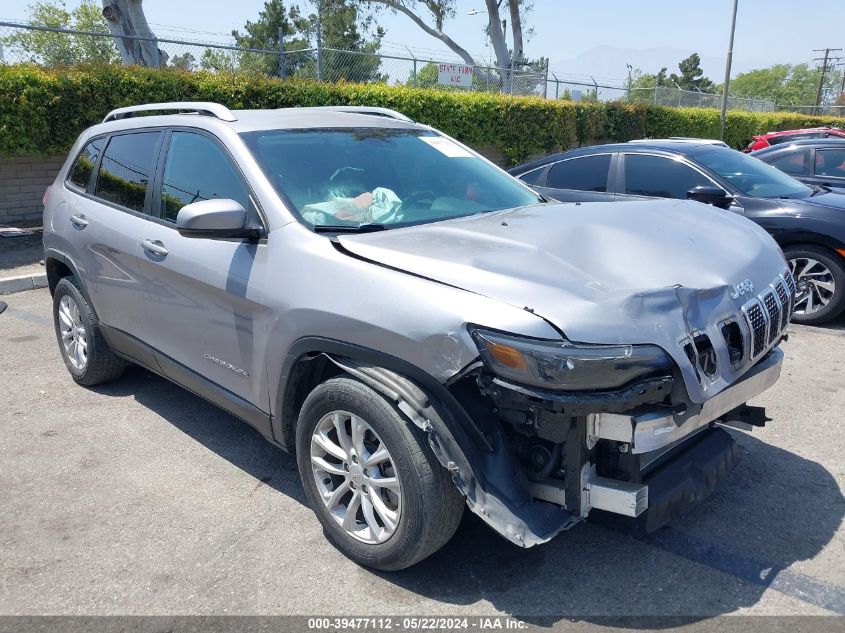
197,169
582,174
792,163
127,168
83,166
533,177
830,162
788,138
660,177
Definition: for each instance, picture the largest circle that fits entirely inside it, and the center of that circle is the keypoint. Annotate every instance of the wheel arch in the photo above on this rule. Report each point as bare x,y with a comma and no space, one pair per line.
314,359
478,462
58,266
810,238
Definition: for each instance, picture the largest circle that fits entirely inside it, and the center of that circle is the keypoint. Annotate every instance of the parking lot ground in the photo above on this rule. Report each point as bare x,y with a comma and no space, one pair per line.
21,255
139,498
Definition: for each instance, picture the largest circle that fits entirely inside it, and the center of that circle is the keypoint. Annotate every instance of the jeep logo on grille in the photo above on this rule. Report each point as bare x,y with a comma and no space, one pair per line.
742,288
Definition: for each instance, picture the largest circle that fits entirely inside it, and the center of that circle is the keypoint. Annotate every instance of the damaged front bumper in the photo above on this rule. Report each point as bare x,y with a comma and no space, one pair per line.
652,427
645,460
643,452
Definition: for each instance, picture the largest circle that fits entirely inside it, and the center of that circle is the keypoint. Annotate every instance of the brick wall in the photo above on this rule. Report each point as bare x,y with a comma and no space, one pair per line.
23,180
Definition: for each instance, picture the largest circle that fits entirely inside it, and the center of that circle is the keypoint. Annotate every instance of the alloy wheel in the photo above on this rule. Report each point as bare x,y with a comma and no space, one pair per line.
73,334
356,477
815,285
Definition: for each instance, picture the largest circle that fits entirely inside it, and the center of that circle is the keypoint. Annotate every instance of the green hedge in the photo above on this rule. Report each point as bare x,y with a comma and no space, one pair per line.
43,111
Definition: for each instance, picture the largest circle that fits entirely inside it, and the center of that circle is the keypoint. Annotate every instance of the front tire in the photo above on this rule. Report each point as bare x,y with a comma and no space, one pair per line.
87,356
820,278
373,482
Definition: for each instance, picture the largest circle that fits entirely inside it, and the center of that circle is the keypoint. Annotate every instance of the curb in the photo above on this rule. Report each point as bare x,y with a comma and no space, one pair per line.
8,285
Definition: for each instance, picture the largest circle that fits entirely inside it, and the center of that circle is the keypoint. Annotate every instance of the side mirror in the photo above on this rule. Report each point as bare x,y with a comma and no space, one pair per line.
715,196
213,219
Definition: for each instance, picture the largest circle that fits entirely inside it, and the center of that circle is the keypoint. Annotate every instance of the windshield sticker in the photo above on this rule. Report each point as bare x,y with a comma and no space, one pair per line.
446,147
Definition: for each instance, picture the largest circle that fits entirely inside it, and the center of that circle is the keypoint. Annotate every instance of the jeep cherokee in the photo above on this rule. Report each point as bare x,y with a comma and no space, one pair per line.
421,329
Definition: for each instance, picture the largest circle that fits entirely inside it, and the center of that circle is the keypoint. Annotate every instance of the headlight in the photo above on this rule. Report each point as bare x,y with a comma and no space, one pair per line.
566,365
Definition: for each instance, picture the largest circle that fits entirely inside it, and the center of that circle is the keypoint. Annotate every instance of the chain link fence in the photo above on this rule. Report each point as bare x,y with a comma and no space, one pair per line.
56,47
823,110
675,97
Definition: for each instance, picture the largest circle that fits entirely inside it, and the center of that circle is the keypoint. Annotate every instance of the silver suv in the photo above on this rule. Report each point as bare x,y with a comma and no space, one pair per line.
421,329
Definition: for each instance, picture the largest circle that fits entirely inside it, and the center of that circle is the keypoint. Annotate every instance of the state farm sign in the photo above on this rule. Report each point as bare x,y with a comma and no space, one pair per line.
454,75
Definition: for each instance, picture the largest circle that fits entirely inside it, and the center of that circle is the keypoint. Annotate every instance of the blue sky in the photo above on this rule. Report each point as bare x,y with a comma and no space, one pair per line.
581,38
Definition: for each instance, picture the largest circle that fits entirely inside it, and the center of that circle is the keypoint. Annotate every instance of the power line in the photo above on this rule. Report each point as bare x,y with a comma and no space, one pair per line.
184,29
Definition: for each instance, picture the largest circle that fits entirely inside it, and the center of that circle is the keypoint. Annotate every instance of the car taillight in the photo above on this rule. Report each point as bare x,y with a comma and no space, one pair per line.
44,197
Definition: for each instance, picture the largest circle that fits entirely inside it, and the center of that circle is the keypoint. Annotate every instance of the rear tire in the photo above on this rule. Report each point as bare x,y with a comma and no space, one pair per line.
423,510
820,276
87,356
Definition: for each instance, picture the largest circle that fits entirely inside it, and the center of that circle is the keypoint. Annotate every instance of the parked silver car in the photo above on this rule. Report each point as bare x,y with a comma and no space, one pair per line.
420,328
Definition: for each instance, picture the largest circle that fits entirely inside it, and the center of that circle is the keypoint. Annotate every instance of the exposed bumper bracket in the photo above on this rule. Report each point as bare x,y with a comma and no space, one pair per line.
745,418
654,427
619,497
599,493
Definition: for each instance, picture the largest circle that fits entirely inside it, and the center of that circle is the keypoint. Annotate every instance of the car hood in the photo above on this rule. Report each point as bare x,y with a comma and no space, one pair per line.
654,271
832,199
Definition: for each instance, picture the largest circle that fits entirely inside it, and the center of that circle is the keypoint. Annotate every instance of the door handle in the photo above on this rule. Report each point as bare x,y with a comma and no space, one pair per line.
78,221
154,247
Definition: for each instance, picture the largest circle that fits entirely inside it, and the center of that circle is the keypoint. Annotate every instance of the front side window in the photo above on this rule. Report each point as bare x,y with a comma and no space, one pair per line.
83,166
196,168
127,168
660,177
581,174
792,163
391,177
830,162
750,176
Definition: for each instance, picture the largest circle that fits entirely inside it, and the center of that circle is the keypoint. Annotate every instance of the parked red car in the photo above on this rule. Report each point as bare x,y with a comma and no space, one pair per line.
773,138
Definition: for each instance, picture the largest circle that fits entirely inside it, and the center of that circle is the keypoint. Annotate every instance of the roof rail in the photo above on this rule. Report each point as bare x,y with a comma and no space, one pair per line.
204,108
679,139
371,110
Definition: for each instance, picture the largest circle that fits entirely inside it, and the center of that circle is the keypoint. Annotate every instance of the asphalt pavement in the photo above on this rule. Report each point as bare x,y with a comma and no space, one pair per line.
139,498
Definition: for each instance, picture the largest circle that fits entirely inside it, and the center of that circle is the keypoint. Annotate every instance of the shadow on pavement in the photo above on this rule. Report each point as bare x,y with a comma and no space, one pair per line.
20,252
217,430
837,325
775,509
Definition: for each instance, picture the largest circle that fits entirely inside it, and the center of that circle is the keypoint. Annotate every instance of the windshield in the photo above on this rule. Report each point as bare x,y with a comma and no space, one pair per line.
379,176
751,176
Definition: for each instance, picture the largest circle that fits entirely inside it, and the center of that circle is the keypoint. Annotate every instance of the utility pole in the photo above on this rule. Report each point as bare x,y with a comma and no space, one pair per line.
630,69
728,61
841,89
281,54
319,41
824,60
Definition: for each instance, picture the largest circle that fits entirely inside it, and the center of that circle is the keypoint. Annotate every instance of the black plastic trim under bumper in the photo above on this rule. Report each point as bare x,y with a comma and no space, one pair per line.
681,482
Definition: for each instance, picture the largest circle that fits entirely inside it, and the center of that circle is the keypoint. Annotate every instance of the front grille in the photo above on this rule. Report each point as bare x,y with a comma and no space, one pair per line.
757,321
790,281
785,302
773,310
768,314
